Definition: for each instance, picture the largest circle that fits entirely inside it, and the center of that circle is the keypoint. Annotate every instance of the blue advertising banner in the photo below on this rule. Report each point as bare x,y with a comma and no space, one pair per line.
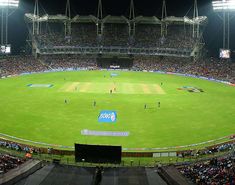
107,116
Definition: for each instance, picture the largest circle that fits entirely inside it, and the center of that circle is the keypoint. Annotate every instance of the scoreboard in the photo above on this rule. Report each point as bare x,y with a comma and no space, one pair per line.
5,49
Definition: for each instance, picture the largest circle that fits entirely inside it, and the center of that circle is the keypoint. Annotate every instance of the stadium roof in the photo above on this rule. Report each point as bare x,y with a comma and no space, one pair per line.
47,18
147,20
84,19
116,19
185,20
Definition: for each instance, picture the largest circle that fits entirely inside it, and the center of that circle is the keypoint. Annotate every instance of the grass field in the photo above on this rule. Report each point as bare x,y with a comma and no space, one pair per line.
40,114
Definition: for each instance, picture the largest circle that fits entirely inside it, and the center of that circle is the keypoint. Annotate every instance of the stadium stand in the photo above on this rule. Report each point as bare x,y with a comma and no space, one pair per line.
18,147
173,49
116,33
73,62
18,65
8,162
214,172
16,169
210,68
113,35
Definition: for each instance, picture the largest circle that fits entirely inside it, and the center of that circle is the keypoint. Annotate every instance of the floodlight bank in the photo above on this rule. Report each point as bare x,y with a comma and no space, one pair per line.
9,3
224,5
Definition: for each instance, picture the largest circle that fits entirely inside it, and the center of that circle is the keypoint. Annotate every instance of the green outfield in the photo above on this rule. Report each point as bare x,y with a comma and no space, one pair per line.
39,113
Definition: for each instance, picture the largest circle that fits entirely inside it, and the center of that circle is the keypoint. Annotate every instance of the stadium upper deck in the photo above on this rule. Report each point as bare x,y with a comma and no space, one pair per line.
116,35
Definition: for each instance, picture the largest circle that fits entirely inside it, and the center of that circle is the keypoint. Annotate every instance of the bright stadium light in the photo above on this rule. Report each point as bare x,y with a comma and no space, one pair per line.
9,3
7,8
224,8
224,5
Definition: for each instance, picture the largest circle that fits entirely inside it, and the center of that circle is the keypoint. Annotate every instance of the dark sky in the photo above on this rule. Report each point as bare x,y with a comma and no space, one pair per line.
212,35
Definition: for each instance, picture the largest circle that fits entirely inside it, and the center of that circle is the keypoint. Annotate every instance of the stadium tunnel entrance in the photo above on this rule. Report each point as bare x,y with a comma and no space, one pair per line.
115,62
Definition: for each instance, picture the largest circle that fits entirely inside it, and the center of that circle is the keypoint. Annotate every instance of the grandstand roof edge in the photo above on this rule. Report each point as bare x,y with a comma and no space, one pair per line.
185,20
115,19
147,20
84,19
118,19
46,17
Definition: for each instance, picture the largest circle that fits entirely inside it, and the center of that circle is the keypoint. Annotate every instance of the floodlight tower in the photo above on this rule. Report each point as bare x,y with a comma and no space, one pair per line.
7,7
224,7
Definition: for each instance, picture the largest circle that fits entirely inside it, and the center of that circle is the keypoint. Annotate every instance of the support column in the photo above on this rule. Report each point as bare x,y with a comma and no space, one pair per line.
2,26
67,24
132,20
36,19
164,15
196,26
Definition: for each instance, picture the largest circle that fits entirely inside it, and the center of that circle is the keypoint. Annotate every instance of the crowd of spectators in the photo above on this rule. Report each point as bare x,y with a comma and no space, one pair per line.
8,162
210,68
115,35
18,147
28,64
146,35
216,171
70,62
207,151
20,64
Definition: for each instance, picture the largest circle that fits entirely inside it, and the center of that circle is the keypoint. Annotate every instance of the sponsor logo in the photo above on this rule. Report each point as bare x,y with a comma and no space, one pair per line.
107,116
191,89
113,74
87,132
40,85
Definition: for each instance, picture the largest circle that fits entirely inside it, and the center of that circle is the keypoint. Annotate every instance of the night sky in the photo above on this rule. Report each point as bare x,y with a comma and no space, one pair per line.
212,35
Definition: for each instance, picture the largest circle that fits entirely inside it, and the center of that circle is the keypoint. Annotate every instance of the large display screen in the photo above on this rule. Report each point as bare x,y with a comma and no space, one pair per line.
5,49
98,153
225,53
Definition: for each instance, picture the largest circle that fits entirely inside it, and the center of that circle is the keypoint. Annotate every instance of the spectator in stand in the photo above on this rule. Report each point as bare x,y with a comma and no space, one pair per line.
221,70
18,147
210,68
22,64
8,162
114,34
64,62
213,172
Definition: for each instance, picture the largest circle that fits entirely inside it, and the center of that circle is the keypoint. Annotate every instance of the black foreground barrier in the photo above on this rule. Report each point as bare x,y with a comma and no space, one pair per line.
98,153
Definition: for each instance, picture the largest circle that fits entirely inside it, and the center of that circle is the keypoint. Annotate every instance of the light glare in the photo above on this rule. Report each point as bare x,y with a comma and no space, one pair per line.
9,3
224,5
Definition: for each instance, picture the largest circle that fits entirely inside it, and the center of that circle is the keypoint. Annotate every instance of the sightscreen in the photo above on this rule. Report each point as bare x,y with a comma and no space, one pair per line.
98,153
225,53
115,62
